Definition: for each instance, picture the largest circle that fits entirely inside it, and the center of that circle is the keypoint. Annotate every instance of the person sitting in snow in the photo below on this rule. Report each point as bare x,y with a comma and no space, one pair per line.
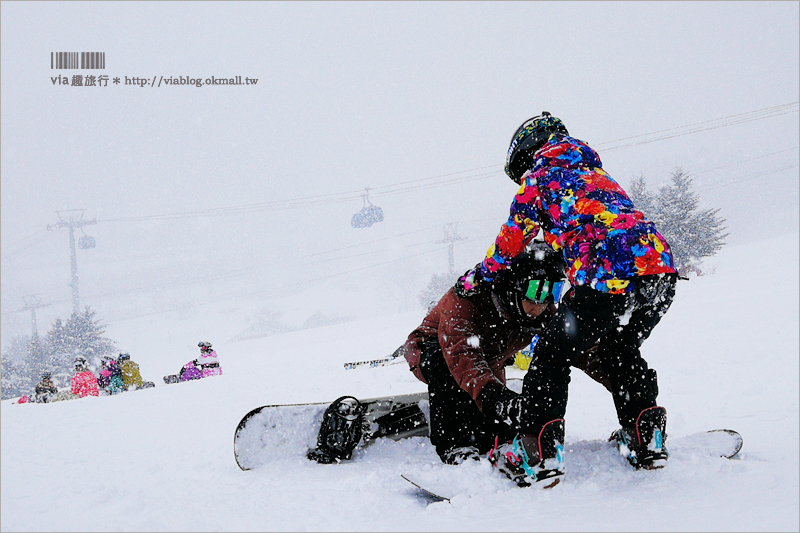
110,380
83,383
204,366
45,390
131,377
463,345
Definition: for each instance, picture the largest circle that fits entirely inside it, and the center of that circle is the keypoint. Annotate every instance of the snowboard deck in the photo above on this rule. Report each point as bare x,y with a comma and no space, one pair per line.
290,430
438,483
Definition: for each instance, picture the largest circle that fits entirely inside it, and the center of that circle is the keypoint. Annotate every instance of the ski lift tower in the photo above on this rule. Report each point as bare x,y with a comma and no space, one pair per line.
32,303
450,237
74,219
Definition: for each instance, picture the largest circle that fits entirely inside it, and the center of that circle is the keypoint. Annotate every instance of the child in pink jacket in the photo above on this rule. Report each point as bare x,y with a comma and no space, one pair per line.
83,383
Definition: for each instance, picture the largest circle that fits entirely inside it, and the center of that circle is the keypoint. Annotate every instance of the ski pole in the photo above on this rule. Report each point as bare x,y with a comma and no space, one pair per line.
377,362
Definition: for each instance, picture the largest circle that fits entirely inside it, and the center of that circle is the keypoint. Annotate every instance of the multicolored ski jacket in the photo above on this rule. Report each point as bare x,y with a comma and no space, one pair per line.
585,215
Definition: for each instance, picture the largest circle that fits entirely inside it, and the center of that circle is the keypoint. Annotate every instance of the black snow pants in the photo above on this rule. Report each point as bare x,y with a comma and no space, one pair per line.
621,322
455,420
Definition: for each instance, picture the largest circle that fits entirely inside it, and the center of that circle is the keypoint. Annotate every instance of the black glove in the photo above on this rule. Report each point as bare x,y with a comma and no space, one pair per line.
471,283
501,403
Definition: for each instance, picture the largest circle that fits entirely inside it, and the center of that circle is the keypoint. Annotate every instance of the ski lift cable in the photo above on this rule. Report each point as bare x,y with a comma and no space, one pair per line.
766,110
751,177
23,240
302,202
396,188
695,130
14,252
744,161
345,197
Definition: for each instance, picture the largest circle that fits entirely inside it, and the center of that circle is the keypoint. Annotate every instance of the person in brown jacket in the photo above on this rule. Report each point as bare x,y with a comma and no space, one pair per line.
463,345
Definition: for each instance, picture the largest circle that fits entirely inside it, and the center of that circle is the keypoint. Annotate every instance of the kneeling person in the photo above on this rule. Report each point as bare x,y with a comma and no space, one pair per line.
463,345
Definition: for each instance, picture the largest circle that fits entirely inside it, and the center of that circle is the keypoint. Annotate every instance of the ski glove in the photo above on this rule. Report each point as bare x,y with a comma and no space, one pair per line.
501,403
470,284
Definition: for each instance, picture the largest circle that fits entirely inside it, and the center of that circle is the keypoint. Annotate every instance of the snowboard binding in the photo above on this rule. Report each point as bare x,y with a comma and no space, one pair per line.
643,445
340,432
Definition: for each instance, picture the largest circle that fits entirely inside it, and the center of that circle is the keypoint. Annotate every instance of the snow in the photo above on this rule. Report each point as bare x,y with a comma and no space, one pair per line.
161,459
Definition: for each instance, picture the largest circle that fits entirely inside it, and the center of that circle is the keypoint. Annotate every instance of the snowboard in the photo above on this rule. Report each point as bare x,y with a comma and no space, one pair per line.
274,432
441,483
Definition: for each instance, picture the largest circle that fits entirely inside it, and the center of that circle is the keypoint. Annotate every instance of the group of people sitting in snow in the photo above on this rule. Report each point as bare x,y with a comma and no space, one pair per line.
115,376
119,375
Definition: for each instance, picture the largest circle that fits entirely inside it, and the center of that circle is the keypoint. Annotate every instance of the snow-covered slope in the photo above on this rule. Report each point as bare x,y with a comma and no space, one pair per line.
162,459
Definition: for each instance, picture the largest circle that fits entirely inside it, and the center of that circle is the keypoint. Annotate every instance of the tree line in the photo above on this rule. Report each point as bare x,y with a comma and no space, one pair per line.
28,356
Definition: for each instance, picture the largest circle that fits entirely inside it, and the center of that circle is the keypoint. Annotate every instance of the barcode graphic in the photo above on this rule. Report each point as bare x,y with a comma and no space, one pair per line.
76,60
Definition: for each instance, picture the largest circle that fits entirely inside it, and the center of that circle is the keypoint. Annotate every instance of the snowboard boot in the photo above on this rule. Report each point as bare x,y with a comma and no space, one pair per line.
643,445
529,460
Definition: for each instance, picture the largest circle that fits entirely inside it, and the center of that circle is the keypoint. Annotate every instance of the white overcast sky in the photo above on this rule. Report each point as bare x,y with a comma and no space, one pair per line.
367,94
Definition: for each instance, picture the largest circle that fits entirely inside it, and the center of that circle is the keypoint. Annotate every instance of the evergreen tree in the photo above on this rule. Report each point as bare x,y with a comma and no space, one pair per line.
56,355
691,234
81,335
437,287
84,336
16,377
38,359
641,197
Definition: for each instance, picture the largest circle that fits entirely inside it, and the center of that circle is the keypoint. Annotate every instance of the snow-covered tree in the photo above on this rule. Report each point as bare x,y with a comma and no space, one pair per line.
641,197
56,355
691,233
437,286
85,335
16,377
81,335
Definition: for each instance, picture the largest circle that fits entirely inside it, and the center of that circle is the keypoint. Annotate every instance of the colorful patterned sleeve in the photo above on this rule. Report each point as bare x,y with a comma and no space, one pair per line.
517,232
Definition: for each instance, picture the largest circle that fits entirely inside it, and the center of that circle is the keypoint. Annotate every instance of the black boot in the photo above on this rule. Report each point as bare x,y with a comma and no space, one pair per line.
643,445
529,459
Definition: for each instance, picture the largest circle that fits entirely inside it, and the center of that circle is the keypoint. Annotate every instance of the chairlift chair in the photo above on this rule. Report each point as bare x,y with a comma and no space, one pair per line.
369,214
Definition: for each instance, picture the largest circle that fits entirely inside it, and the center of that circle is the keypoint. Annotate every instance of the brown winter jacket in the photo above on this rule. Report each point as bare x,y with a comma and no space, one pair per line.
478,337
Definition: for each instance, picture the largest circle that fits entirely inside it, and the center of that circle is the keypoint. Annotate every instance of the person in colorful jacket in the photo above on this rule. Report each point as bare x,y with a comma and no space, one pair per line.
623,279
204,366
463,345
83,383
110,380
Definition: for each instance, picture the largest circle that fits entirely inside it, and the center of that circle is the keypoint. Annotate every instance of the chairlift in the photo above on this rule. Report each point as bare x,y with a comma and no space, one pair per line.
369,214
86,242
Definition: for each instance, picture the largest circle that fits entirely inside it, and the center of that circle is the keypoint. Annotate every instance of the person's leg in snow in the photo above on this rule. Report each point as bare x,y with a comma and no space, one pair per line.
458,429
621,323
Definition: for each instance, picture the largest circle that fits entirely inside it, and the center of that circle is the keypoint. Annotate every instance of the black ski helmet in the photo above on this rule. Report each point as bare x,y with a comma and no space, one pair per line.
528,138
81,363
538,261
